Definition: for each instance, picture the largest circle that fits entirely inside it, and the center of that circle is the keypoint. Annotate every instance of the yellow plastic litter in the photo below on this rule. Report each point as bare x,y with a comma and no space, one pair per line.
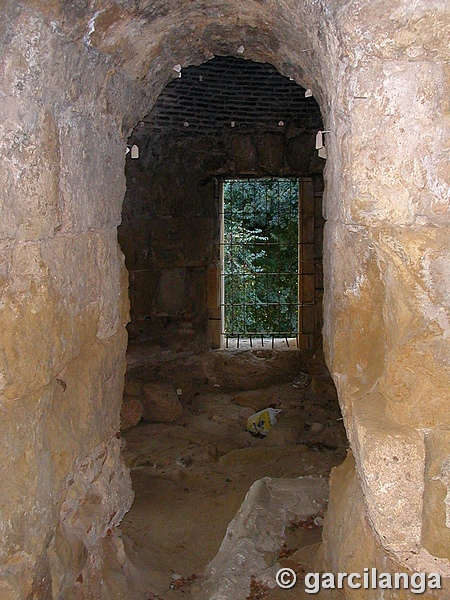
262,421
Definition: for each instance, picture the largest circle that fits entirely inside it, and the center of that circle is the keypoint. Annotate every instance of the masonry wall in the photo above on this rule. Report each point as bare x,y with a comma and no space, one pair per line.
170,228
386,320
63,309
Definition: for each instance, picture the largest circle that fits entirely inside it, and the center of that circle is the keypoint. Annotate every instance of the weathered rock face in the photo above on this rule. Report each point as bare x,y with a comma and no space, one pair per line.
63,308
386,323
257,532
75,78
351,545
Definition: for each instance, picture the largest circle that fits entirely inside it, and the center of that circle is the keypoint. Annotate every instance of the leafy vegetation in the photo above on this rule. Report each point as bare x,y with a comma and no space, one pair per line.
261,256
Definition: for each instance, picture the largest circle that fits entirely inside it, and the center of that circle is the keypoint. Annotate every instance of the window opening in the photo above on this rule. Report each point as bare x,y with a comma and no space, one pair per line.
263,260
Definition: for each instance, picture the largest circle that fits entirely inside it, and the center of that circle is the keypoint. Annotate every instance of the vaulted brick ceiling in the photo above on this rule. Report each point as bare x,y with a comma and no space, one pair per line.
228,92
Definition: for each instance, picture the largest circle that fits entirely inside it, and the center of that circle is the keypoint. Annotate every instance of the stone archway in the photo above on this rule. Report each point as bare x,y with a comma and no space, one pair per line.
75,79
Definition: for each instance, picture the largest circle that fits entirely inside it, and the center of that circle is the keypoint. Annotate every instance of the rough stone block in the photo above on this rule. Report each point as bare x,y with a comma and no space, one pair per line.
351,545
257,532
27,482
64,551
196,293
143,288
255,399
161,403
345,519
87,143
416,380
171,294
270,152
58,290
355,292
31,151
390,461
256,369
99,494
97,398
130,413
298,153
243,149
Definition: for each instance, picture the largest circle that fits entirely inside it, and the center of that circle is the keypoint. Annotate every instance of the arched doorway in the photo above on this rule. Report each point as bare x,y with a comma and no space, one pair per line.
192,459
76,80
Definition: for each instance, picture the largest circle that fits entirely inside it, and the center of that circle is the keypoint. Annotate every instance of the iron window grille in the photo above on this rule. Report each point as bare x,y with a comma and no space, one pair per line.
262,260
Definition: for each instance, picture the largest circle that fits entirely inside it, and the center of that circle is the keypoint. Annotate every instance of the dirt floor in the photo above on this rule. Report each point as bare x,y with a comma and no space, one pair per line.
190,476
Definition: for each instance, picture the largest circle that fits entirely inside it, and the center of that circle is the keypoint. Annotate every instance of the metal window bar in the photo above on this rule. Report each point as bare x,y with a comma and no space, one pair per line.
265,260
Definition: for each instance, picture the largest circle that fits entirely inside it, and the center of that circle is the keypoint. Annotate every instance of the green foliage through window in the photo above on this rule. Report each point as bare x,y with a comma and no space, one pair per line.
260,249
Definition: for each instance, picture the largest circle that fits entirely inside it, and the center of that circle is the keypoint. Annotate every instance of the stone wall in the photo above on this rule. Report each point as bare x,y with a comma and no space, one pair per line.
386,318
352,546
63,306
170,229
75,78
